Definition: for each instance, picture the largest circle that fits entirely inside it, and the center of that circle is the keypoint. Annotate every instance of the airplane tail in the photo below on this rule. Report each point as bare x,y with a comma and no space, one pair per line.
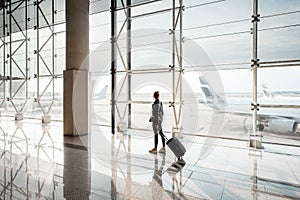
102,93
211,98
266,91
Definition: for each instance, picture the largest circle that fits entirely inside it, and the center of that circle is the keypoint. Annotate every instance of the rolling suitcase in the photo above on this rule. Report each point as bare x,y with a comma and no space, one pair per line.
175,145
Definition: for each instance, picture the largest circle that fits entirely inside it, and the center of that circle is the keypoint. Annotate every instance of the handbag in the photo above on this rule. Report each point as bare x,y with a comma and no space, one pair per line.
150,119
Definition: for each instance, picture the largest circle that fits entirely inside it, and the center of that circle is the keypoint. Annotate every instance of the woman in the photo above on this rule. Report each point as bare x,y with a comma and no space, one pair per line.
157,118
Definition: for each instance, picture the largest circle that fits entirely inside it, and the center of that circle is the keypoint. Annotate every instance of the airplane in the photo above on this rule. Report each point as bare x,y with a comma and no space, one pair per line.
266,92
47,97
281,120
102,94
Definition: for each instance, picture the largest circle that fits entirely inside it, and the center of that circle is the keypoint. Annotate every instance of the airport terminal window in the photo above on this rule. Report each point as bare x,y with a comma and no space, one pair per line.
208,71
224,44
31,78
32,58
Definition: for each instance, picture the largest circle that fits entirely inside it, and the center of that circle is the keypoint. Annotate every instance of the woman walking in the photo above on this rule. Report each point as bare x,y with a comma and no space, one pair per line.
157,118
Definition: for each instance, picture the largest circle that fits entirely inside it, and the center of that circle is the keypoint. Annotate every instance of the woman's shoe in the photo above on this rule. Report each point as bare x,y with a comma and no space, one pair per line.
154,150
162,150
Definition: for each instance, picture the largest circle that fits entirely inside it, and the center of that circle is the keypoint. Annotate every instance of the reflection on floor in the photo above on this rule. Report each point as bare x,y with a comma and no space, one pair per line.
37,162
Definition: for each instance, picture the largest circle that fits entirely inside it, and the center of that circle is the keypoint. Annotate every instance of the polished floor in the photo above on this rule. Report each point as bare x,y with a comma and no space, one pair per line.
37,162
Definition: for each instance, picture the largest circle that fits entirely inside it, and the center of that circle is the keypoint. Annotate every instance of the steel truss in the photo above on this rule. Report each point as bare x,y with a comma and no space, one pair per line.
255,139
17,72
176,67
3,78
51,74
14,43
177,56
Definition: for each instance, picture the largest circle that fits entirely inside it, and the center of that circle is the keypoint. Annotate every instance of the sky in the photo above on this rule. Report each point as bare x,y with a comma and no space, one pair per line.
281,44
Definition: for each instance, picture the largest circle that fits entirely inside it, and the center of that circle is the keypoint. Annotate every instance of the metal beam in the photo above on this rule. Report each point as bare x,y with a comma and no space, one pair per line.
128,44
278,106
4,56
137,4
177,67
113,62
255,20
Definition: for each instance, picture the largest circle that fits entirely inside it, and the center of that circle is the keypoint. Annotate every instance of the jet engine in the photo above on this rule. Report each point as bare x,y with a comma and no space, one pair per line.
283,125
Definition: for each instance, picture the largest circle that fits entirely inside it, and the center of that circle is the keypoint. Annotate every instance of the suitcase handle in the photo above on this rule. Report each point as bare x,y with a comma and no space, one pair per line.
162,134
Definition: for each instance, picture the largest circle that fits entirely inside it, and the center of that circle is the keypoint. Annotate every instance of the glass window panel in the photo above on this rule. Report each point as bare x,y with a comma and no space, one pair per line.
97,6
18,67
1,23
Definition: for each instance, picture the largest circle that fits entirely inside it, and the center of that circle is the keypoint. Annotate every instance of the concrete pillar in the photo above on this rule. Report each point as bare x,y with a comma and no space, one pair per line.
76,75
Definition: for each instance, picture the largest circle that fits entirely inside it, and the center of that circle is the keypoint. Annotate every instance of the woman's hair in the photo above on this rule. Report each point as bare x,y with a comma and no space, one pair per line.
156,94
